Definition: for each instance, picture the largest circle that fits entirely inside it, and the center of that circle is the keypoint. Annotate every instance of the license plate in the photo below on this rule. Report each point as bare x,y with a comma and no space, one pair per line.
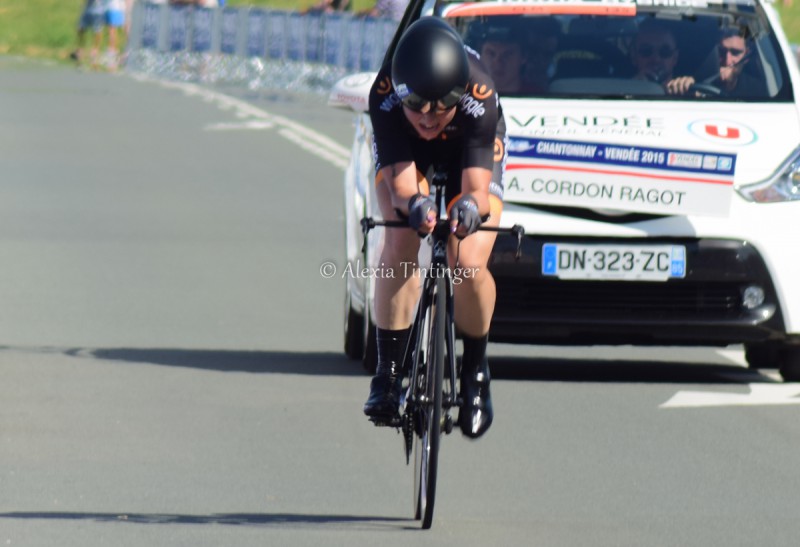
614,262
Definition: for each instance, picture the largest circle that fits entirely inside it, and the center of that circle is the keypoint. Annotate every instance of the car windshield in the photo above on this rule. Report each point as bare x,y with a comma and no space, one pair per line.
696,51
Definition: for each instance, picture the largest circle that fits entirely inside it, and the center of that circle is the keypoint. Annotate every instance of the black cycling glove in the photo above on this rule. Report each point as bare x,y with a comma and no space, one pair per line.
465,212
418,208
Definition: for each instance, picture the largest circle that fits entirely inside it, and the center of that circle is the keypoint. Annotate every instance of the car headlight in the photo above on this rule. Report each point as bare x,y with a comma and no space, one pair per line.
783,185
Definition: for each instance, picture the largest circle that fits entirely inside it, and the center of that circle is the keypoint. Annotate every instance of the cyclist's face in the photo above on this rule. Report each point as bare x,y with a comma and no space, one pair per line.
429,122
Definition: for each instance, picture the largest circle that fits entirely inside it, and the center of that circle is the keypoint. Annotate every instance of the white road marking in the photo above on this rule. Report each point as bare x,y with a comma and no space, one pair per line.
760,395
734,355
255,125
303,143
311,141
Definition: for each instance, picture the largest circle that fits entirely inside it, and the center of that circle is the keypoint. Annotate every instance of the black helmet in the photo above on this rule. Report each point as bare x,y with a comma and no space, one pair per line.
430,65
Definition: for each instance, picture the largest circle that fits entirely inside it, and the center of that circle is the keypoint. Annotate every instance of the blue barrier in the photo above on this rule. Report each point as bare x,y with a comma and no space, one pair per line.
247,43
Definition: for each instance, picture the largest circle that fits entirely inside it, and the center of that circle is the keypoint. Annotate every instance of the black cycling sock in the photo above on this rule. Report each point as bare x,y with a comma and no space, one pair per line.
391,349
474,352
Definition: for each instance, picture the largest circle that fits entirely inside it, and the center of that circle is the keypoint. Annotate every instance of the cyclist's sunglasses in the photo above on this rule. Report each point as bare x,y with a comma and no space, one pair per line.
414,102
646,50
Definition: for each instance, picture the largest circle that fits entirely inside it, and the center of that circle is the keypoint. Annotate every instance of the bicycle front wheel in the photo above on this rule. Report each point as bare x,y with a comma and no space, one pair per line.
428,415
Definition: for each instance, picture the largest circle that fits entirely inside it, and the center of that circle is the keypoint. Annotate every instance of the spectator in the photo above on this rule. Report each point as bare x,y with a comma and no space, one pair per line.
198,3
330,6
390,9
733,51
92,18
115,22
655,52
128,15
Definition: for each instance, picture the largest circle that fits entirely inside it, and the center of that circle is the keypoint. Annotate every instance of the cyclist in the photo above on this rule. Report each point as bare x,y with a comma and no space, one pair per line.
435,108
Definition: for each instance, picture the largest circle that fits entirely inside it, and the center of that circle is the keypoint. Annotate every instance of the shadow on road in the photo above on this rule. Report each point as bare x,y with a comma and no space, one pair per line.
631,371
270,362
540,369
289,520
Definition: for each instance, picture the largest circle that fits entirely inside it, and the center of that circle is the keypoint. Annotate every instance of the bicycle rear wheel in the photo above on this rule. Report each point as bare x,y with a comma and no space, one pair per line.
428,415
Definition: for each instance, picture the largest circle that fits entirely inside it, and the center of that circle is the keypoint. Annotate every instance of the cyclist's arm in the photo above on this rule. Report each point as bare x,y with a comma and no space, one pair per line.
401,179
475,181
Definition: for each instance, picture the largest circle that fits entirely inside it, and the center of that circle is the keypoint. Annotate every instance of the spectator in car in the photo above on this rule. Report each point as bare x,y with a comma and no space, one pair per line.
733,51
655,52
520,60
503,55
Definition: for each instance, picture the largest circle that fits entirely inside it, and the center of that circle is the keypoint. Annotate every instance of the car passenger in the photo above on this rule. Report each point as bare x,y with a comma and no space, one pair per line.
733,51
505,57
435,107
654,52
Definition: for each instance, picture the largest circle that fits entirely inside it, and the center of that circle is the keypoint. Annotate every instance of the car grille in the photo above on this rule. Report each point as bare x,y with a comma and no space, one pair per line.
624,300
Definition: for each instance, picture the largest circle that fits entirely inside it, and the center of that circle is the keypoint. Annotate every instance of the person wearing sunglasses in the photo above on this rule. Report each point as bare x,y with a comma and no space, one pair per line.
434,108
733,52
654,52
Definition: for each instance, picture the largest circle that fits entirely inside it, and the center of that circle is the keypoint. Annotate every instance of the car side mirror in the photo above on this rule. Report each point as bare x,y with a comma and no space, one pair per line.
352,92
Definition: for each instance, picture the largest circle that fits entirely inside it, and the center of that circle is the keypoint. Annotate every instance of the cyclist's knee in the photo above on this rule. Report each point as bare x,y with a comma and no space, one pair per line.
473,252
400,245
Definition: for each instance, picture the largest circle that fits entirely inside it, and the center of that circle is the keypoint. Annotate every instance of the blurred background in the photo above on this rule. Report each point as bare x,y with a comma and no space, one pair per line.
47,28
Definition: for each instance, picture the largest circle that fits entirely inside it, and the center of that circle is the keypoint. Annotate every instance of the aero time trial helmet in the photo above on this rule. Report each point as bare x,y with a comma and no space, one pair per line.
430,65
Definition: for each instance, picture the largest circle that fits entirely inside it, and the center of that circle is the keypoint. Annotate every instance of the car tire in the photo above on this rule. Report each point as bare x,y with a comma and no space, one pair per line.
790,364
353,329
763,355
370,360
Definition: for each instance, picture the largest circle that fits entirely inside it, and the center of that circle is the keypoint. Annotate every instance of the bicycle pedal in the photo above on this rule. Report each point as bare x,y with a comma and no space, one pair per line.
448,424
393,421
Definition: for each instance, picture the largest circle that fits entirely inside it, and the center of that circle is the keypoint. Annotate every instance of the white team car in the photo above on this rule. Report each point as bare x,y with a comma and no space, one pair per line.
652,218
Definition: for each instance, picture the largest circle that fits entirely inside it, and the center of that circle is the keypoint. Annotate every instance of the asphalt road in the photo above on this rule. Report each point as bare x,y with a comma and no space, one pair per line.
171,371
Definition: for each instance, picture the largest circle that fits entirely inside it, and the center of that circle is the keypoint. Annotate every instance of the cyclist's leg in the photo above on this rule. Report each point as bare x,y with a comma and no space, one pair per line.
396,293
474,305
475,294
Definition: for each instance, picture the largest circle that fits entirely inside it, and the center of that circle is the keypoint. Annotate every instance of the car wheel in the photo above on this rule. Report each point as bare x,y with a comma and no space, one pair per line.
764,355
370,361
353,330
790,364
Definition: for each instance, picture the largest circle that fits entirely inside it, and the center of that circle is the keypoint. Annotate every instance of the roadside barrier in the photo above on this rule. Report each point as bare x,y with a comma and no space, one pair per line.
259,48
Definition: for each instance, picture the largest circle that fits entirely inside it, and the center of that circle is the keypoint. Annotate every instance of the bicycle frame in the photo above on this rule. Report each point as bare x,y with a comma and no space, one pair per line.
427,401
438,269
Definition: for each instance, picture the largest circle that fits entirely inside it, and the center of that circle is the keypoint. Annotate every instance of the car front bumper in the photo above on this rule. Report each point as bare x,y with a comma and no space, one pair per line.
706,307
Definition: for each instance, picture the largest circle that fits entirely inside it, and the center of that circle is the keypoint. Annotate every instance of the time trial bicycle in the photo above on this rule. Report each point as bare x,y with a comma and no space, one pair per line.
430,391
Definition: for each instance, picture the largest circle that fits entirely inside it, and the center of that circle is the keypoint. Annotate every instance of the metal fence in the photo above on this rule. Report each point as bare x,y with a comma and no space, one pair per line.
260,48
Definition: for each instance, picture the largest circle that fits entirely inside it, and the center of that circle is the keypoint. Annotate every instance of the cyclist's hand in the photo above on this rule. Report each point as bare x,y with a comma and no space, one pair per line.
422,214
464,216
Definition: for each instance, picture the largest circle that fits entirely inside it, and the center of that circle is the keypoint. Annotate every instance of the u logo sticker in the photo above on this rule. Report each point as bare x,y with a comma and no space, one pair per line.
725,133
481,93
